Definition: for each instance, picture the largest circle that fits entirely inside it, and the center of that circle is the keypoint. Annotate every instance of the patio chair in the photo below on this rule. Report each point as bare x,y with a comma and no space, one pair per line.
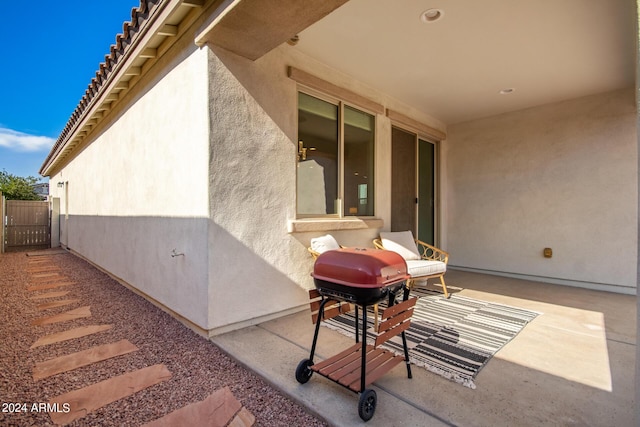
322,244
326,243
423,260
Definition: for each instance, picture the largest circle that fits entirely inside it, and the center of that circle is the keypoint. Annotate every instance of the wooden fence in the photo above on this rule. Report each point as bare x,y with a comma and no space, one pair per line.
27,225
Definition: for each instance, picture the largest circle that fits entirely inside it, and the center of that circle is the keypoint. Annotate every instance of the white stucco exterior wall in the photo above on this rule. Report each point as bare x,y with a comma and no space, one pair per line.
562,176
253,185
201,158
140,189
250,173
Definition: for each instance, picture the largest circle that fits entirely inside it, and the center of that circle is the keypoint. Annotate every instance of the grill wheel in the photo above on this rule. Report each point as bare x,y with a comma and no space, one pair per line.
303,373
367,404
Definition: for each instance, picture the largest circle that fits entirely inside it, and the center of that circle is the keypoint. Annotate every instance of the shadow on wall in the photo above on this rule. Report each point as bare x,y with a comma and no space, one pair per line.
255,279
195,267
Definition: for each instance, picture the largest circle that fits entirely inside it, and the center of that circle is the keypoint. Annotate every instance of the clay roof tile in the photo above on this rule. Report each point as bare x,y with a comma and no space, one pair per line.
129,29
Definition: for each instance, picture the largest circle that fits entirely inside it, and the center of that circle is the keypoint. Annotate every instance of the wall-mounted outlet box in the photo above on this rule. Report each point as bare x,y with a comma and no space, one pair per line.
548,253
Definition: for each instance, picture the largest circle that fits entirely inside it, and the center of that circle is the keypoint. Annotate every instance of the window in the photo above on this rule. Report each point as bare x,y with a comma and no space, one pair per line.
335,159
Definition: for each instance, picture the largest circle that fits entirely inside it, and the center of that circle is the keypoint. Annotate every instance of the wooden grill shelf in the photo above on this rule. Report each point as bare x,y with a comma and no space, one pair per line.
345,368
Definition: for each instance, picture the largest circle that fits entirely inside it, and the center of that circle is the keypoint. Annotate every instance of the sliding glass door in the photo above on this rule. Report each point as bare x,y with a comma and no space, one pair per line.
413,186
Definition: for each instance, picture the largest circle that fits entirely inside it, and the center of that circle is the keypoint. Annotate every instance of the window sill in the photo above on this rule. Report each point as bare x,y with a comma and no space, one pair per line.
315,224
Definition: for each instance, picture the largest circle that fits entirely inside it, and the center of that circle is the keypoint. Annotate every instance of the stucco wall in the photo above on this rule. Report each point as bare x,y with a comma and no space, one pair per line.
250,251
139,190
562,176
257,267
201,157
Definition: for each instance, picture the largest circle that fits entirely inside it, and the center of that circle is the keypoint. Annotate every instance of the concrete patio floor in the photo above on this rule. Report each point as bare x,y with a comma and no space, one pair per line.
572,365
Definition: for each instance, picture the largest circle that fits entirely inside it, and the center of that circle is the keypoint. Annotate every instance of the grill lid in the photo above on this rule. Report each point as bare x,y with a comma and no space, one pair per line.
361,267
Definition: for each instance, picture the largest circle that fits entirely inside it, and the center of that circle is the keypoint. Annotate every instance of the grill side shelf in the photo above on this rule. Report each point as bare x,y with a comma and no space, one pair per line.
395,320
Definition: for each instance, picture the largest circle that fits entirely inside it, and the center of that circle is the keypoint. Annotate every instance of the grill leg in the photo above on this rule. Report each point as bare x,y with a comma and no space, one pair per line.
405,297
357,325
363,367
407,291
315,334
406,355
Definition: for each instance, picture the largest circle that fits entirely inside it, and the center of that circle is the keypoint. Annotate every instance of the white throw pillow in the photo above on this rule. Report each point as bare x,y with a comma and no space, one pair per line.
401,242
324,243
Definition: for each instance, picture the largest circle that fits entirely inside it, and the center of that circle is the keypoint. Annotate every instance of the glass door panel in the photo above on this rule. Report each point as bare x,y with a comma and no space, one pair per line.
403,181
426,191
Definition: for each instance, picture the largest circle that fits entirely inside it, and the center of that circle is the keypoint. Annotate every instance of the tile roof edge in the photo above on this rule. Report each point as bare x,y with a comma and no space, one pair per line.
130,30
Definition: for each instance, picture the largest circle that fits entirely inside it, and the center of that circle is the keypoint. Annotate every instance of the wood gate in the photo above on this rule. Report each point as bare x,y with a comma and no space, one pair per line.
27,225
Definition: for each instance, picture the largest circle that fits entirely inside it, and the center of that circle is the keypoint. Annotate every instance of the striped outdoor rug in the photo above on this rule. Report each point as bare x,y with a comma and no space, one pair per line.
452,337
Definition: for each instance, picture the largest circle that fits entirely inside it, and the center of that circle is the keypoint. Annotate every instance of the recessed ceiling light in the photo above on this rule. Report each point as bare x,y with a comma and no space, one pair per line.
431,15
507,91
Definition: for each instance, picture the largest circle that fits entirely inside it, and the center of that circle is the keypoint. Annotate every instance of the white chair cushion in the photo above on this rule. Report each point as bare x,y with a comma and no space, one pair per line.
401,242
418,268
324,243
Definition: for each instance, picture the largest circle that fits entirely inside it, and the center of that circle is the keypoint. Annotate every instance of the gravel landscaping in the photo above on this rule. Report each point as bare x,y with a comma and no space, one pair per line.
197,366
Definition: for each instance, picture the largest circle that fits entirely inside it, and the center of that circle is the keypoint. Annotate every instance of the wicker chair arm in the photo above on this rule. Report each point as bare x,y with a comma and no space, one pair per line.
377,243
313,253
428,251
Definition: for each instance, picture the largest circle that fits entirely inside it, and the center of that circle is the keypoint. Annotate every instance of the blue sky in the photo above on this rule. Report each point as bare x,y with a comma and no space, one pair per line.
50,52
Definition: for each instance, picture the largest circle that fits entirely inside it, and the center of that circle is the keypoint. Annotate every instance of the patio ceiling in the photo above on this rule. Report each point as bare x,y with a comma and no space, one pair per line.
455,67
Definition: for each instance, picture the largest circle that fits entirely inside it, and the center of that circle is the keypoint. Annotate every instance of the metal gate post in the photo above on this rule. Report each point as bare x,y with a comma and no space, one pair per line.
54,228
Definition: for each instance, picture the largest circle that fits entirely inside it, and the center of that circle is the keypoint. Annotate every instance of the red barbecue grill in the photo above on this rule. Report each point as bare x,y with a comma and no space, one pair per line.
362,277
